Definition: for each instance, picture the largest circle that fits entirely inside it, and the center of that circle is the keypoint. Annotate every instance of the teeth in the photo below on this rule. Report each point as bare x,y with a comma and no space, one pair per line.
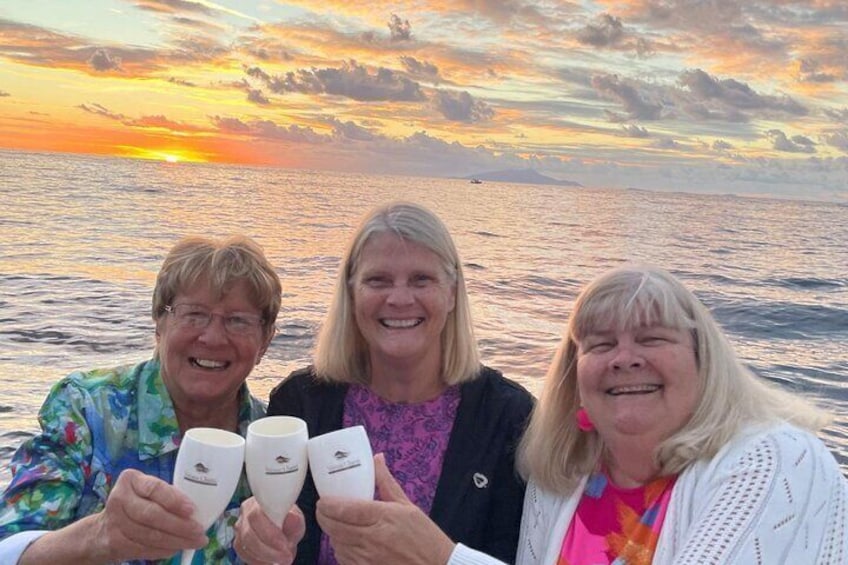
633,389
408,323
210,364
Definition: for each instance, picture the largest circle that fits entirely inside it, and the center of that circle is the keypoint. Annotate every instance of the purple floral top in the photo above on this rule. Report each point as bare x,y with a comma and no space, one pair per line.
413,438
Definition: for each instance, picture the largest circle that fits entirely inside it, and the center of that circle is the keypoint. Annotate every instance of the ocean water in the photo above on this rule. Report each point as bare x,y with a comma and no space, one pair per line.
83,238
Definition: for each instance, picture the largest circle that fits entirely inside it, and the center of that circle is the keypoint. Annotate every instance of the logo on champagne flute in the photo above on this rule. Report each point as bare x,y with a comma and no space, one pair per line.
199,474
343,464
282,465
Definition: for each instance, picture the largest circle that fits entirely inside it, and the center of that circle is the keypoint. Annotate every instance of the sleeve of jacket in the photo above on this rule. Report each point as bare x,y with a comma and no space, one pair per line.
479,497
501,540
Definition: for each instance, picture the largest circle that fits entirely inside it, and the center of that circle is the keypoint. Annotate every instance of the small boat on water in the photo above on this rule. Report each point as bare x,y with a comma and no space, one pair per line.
476,181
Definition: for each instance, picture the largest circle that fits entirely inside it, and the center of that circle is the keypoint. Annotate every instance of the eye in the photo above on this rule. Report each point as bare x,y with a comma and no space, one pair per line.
423,280
657,336
653,339
597,345
377,281
195,315
237,321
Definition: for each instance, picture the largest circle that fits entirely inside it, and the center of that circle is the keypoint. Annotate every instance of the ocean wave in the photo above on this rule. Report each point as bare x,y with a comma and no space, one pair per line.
781,320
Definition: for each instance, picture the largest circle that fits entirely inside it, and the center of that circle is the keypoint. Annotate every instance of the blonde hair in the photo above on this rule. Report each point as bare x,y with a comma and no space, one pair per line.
221,264
557,454
341,353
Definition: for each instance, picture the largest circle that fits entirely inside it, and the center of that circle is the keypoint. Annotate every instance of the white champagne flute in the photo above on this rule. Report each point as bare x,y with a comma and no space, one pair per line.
342,463
276,462
208,468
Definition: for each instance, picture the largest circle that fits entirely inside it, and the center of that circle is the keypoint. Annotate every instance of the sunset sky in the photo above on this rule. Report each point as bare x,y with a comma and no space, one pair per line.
740,96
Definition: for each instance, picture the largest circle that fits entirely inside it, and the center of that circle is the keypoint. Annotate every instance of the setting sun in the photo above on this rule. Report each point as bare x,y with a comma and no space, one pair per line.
171,158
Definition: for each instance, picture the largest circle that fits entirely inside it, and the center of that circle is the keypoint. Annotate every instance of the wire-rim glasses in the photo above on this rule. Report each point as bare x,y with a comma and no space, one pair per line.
197,317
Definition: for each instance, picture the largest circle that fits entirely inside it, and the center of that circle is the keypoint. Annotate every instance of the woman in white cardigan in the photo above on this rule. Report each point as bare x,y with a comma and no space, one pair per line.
652,444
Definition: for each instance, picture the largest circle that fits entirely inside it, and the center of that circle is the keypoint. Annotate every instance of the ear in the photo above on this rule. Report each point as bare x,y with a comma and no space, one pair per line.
452,298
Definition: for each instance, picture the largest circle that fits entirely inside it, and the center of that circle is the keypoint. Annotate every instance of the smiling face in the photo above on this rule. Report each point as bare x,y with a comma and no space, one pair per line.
401,298
641,381
208,366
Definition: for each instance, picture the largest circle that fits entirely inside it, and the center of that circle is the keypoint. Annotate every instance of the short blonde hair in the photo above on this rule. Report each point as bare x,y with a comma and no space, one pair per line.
557,454
341,353
221,263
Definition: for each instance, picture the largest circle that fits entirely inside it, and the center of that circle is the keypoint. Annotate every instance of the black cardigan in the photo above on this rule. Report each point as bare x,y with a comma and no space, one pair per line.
490,419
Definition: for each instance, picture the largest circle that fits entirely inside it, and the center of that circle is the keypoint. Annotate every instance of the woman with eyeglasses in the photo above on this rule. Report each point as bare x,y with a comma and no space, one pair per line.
397,355
94,485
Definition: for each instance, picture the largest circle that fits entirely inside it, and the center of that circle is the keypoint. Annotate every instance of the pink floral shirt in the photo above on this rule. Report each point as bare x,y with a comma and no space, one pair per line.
413,438
614,525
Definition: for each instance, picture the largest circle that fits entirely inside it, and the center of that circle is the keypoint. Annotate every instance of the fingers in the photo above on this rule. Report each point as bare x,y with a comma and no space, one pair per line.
159,509
294,526
145,517
160,493
259,540
388,488
381,532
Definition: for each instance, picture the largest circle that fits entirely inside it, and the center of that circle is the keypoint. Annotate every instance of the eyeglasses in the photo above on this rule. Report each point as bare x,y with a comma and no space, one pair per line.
197,317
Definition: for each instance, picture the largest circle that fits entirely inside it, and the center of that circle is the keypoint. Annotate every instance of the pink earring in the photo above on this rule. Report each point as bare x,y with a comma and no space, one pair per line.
583,422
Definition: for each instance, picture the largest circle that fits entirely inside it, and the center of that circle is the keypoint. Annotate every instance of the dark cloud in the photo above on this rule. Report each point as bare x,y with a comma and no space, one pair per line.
797,144
608,31
101,60
837,139
162,122
159,121
230,125
351,131
267,53
3,94
420,69
180,82
369,37
399,29
721,145
809,71
704,111
735,93
101,110
713,98
637,108
351,80
266,129
838,115
255,95
461,107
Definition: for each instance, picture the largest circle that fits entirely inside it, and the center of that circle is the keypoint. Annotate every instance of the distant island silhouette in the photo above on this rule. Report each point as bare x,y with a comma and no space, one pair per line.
525,176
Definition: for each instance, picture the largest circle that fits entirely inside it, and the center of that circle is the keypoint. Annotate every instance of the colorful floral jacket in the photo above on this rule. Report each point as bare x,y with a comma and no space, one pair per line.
94,425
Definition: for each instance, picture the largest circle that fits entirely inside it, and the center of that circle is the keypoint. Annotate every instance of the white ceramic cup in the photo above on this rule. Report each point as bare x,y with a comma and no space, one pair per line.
276,462
208,468
342,463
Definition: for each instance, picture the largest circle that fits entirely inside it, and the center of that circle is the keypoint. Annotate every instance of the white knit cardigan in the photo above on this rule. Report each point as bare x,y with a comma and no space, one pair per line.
772,496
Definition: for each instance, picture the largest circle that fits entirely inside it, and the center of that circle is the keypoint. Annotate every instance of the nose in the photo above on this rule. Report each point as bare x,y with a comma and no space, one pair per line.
214,333
626,358
400,295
